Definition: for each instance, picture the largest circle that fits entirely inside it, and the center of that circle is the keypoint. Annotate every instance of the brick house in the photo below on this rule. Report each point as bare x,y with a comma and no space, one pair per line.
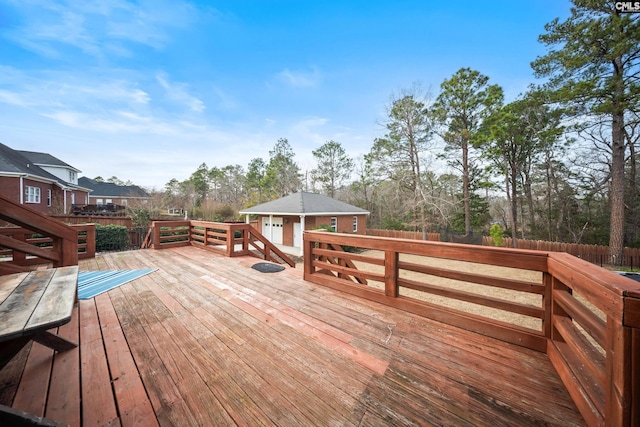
283,220
40,181
104,193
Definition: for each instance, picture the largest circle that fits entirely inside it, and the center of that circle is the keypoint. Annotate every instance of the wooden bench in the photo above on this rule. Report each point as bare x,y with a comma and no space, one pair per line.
31,304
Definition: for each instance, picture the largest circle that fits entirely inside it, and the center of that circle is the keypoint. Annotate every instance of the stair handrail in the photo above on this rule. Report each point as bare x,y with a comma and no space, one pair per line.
64,237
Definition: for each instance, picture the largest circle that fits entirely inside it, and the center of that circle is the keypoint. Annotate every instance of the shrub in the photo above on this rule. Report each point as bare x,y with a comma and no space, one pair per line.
497,235
111,238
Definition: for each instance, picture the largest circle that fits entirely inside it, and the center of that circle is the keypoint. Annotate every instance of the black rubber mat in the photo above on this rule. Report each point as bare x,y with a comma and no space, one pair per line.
267,267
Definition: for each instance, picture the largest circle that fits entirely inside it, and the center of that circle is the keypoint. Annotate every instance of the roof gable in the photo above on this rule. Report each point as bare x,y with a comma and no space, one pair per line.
304,203
45,159
15,162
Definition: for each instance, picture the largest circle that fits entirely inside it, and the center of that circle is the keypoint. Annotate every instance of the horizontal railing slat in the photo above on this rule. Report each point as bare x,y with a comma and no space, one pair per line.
584,317
524,309
589,357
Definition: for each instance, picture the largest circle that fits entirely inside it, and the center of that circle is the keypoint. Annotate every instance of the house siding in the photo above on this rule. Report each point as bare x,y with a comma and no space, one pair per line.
344,225
10,187
119,200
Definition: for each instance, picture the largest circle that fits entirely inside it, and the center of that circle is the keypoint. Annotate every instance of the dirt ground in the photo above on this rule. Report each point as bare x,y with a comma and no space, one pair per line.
489,270
482,269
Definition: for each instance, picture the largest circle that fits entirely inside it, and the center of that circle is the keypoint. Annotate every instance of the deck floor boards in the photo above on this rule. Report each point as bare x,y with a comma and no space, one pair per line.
206,340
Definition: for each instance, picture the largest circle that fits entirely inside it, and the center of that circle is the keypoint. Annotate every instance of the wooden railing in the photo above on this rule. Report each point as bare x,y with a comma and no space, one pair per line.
585,318
232,239
86,240
54,242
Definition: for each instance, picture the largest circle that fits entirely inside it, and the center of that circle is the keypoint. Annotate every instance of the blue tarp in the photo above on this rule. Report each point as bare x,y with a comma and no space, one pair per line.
92,283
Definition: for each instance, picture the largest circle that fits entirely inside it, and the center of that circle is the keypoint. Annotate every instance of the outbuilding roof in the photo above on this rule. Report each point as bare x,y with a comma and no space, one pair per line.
303,203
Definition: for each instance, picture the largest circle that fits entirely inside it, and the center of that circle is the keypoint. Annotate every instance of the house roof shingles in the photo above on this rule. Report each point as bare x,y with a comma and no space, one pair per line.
109,189
17,162
45,159
304,203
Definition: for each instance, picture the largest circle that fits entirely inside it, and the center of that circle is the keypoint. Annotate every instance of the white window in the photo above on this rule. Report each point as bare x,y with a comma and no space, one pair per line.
123,202
109,201
73,198
32,194
355,224
334,223
72,177
99,202
49,197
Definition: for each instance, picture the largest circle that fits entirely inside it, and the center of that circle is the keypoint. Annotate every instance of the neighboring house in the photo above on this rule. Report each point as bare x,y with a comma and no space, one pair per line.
40,181
283,220
105,193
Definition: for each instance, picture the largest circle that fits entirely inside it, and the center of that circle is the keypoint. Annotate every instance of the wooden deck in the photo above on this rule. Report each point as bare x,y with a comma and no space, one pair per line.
206,340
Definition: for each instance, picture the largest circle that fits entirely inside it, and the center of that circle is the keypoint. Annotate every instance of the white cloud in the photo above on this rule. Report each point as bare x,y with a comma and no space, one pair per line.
46,89
179,92
300,78
98,28
224,100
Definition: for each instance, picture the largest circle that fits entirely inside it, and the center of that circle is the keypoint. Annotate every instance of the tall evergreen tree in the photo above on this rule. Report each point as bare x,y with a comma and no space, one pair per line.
516,135
256,172
282,175
334,166
400,153
592,64
465,100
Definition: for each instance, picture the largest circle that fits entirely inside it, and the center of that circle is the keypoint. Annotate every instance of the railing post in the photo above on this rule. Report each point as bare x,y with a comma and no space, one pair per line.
90,249
547,304
156,235
391,274
635,374
17,256
230,240
623,365
307,246
67,251
246,235
623,350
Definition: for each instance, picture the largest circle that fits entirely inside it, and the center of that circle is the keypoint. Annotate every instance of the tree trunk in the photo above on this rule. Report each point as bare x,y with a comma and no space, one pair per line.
549,194
633,219
616,232
531,207
465,187
513,211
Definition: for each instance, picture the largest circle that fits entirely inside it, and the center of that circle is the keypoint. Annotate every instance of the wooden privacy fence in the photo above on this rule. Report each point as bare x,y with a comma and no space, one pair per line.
96,219
398,234
585,318
595,254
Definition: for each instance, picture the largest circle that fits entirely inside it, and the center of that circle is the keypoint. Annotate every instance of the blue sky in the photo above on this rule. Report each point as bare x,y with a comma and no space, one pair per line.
149,90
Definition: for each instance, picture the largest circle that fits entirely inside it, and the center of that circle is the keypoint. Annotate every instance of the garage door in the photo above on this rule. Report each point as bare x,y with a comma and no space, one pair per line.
272,230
